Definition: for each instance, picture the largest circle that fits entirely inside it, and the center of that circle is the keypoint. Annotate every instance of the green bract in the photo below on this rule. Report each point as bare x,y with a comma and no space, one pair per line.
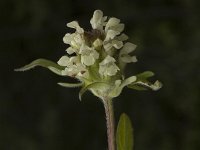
97,59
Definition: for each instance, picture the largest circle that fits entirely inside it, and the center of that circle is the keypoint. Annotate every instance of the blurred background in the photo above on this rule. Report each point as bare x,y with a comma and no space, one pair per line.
37,114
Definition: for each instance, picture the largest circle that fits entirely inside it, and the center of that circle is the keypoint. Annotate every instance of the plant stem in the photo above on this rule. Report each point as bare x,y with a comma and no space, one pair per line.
110,123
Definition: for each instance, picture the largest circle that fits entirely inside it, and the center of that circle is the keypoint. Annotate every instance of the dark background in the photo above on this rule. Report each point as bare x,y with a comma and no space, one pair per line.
37,114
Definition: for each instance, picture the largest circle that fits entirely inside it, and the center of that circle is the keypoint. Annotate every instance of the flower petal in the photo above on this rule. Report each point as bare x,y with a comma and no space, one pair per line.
107,46
117,44
122,37
79,40
108,67
128,48
107,60
64,61
128,59
97,20
87,60
68,38
75,25
111,34
112,22
119,27
70,50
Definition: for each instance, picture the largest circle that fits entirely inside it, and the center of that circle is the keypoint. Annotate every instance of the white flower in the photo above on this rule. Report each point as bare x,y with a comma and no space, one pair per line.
124,53
114,43
111,34
73,66
122,37
68,38
75,25
63,61
88,55
113,28
108,67
98,20
75,40
114,24
113,38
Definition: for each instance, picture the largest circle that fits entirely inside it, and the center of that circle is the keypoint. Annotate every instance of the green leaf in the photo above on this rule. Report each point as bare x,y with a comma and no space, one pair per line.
70,85
141,85
124,135
92,86
43,63
145,75
128,81
137,87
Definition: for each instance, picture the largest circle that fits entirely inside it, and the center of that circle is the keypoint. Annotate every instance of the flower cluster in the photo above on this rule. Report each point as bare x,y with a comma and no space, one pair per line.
102,47
97,58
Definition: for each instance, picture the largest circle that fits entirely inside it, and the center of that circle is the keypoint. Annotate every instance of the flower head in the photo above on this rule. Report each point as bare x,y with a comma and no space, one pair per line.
97,58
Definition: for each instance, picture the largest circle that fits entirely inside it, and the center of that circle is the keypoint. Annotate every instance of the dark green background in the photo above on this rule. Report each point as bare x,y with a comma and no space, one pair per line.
37,114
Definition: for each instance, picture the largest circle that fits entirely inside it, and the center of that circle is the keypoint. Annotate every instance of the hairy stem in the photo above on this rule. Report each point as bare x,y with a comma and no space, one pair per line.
110,123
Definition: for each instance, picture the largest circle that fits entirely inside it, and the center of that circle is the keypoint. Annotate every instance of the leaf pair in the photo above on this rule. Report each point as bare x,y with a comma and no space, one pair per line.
99,89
